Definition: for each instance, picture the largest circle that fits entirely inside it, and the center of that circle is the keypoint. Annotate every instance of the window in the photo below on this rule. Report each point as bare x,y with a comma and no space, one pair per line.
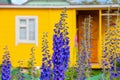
26,29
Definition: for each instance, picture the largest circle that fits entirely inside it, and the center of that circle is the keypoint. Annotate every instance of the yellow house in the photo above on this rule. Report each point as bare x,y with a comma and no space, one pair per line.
21,28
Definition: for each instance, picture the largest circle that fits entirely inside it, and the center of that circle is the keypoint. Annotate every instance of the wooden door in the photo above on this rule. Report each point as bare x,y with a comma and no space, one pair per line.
94,29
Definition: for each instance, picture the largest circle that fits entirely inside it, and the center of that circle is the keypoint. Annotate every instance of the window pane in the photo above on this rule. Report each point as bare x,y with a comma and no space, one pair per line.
31,29
22,21
22,33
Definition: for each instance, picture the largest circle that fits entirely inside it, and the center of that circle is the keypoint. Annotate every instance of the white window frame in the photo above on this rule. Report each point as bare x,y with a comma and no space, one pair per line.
18,41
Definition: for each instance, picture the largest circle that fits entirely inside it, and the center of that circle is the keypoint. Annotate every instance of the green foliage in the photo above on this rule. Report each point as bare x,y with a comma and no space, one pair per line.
71,73
14,73
26,75
31,64
37,73
118,64
85,2
115,1
94,2
96,72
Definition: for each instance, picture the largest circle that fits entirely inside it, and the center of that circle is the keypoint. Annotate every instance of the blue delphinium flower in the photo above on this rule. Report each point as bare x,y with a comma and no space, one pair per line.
6,65
114,69
81,67
84,55
46,73
61,48
111,48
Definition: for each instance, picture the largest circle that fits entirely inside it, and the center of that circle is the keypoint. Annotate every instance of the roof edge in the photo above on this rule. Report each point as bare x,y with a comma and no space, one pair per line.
53,6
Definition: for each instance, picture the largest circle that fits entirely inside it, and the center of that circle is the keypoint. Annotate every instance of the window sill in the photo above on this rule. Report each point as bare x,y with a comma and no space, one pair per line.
26,42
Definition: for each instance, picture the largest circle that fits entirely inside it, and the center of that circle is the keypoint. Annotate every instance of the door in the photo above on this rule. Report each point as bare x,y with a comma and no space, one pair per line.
81,15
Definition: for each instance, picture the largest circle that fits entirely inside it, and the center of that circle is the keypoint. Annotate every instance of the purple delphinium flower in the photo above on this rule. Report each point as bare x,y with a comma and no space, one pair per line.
46,73
20,74
81,67
84,65
111,48
61,48
6,65
114,69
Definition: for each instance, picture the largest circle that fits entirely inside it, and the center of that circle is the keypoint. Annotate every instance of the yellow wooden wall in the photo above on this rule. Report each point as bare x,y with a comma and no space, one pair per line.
46,18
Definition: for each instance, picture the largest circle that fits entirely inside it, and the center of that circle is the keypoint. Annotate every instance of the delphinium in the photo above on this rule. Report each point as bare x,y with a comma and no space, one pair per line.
105,55
111,48
83,62
114,70
71,72
80,66
31,64
61,48
20,74
6,65
46,71
118,55
117,76
80,61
